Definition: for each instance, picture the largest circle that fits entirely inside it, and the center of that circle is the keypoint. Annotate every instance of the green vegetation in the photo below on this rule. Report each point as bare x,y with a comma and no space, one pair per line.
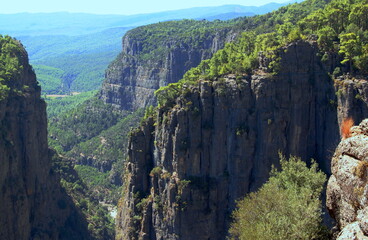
286,207
71,134
49,78
108,148
110,144
65,64
99,183
81,123
100,223
342,29
58,105
156,39
338,25
11,53
156,171
81,72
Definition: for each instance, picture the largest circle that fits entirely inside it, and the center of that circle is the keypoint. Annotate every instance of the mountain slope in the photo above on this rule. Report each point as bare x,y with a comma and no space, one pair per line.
82,59
63,23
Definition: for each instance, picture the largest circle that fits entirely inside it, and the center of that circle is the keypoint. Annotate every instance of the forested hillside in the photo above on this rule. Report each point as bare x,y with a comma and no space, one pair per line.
65,64
58,105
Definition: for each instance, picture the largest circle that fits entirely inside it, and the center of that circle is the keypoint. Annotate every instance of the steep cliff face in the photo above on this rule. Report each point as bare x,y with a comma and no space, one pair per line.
33,204
347,187
352,95
145,66
187,167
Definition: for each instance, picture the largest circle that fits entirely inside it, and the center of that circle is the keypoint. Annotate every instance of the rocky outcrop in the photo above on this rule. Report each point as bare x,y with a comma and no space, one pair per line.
347,187
133,77
187,167
352,96
33,204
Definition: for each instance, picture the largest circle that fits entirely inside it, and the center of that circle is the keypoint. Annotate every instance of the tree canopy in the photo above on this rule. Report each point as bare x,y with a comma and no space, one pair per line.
10,64
286,207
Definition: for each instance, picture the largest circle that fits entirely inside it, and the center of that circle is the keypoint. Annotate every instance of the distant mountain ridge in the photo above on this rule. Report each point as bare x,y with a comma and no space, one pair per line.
64,23
79,46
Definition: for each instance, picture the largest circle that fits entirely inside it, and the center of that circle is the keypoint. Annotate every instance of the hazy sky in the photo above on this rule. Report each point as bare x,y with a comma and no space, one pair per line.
125,7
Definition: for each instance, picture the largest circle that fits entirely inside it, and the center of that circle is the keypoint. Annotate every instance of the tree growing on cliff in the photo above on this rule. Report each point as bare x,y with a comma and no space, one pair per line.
286,207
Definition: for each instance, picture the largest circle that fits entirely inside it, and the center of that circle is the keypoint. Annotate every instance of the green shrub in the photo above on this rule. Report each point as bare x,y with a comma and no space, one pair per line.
11,54
156,171
286,207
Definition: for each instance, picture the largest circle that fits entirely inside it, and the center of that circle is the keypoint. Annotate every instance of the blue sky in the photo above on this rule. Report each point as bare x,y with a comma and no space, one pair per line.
126,7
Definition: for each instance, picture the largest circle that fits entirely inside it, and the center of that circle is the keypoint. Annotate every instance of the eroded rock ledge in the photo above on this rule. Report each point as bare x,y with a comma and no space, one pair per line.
347,188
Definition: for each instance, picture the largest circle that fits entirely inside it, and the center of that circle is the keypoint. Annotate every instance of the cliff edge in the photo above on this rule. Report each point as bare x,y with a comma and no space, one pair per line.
348,185
158,54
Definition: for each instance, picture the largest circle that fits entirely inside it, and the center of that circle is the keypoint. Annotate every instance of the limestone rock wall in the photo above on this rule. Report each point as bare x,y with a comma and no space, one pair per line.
347,187
130,81
32,203
352,97
187,167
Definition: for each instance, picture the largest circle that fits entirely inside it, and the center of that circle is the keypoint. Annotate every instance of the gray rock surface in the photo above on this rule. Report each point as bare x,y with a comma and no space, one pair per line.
130,81
32,203
347,187
352,232
352,97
